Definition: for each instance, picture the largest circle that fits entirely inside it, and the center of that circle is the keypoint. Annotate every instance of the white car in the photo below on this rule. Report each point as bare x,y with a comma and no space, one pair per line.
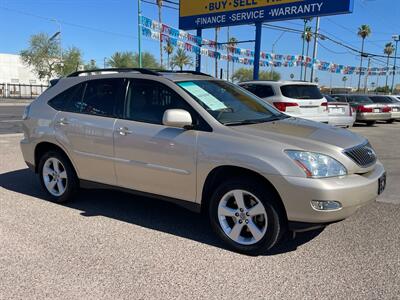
341,114
294,98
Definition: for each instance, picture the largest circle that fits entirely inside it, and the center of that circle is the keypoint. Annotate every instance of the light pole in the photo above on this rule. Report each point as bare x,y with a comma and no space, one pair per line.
302,51
58,33
396,38
315,52
273,53
105,62
140,33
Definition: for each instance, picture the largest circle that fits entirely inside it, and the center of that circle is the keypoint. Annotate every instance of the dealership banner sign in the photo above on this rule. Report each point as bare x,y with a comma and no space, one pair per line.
199,14
197,45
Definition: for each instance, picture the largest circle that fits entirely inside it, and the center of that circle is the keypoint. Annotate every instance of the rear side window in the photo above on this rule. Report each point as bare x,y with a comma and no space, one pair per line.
339,98
360,99
378,99
295,91
68,100
101,97
262,91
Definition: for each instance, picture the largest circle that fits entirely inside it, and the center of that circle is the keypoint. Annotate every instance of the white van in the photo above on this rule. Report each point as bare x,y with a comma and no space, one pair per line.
294,98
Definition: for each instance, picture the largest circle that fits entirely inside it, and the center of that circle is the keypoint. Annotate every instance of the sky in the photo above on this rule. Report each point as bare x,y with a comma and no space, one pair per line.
101,27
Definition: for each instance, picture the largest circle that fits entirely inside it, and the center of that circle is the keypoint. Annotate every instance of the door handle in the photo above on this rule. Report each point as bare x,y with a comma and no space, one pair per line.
124,131
63,122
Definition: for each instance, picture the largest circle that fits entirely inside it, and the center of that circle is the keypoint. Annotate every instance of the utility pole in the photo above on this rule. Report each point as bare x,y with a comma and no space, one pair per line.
396,39
228,49
315,52
273,54
216,50
367,76
140,33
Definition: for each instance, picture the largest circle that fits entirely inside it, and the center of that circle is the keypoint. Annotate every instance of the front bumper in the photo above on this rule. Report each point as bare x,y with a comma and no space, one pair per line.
352,191
373,116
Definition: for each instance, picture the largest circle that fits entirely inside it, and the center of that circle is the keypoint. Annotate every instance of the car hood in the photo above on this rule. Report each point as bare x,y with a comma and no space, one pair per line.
303,134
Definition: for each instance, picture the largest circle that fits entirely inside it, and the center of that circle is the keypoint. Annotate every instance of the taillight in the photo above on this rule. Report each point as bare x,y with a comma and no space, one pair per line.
351,111
363,109
386,109
325,105
283,105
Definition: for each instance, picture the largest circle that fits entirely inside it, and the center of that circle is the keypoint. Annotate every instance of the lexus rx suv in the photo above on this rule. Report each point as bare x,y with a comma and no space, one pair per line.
202,143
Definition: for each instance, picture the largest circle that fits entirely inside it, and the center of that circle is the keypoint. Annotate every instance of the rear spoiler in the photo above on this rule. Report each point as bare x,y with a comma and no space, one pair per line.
53,82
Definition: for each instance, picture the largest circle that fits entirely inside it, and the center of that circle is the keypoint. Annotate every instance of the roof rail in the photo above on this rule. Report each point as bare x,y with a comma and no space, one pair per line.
118,70
182,72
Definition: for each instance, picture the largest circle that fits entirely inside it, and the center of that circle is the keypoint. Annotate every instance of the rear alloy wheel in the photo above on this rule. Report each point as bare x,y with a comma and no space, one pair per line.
58,177
246,217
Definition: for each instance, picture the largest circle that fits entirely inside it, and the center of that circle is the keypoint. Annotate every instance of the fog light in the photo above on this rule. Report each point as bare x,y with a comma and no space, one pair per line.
326,205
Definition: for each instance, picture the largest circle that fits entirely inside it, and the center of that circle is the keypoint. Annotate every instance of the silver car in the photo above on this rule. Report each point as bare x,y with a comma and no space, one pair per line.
341,114
202,143
392,103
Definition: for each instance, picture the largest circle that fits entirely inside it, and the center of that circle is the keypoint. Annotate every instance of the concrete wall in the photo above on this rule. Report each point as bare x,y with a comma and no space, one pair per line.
12,70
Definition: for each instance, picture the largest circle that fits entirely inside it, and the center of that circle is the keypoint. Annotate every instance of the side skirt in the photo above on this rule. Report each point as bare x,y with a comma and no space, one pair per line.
191,206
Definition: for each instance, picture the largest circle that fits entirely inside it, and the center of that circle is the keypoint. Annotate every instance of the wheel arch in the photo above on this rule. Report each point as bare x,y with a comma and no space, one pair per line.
223,173
44,147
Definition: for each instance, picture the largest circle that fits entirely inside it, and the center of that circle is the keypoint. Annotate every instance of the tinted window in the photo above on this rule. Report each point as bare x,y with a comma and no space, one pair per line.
380,99
148,100
101,97
262,91
360,99
295,91
329,98
69,100
339,98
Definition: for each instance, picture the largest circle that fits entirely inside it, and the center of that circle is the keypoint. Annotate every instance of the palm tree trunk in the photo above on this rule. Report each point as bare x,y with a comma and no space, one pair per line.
387,71
216,50
361,64
161,50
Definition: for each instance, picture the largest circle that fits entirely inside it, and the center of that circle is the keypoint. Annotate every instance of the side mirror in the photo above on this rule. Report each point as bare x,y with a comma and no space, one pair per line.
177,118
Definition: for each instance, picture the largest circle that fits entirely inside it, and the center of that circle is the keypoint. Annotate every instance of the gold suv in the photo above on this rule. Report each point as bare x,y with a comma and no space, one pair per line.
202,143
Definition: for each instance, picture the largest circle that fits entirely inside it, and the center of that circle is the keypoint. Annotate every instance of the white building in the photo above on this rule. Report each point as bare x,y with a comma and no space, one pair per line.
16,79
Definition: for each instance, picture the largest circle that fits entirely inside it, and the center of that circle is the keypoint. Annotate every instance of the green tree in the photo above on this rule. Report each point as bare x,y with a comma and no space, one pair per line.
244,74
43,56
130,60
364,31
307,37
344,79
181,59
160,4
91,65
169,49
72,60
389,49
122,60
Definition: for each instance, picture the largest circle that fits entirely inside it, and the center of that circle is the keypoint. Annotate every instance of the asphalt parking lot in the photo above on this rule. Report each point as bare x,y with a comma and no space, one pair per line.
113,245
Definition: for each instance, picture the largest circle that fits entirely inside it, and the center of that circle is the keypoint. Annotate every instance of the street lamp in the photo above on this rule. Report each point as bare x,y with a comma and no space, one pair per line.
58,34
396,38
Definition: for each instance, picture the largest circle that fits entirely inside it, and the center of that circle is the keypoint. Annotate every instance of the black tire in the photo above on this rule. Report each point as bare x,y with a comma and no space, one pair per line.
370,123
72,183
391,121
276,220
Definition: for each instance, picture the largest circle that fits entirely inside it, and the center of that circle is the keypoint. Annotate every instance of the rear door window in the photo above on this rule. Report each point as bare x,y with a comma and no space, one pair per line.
260,90
69,100
301,92
102,96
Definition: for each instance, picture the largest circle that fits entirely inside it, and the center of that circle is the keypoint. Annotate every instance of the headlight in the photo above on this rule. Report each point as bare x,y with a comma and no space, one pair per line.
317,165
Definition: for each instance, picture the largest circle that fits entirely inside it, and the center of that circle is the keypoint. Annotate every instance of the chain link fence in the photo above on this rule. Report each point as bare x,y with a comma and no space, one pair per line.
20,91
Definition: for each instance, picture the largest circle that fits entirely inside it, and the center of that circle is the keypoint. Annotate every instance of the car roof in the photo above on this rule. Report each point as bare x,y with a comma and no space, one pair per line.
134,72
280,82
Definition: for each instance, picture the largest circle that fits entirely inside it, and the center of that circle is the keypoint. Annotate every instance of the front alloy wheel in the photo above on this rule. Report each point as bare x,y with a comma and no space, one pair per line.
242,217
246,215
55,177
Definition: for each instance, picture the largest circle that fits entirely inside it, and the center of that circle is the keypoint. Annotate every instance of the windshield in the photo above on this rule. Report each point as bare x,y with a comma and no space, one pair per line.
298,91
230,104
380,99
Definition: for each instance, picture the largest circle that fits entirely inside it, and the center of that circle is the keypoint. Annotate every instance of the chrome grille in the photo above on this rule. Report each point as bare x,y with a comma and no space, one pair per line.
363,155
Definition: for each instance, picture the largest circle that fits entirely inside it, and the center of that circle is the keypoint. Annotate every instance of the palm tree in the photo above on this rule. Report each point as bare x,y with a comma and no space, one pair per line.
181,59
122,60
169,49
216,50
302,37
389,49
344,79
160,4
232,44
307,37
364,31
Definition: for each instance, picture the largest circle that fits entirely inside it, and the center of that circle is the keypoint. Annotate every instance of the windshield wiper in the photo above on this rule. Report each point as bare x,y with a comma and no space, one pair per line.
250,122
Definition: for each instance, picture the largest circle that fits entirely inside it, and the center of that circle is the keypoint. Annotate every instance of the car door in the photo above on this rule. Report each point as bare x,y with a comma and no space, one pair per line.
85,127
149,156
